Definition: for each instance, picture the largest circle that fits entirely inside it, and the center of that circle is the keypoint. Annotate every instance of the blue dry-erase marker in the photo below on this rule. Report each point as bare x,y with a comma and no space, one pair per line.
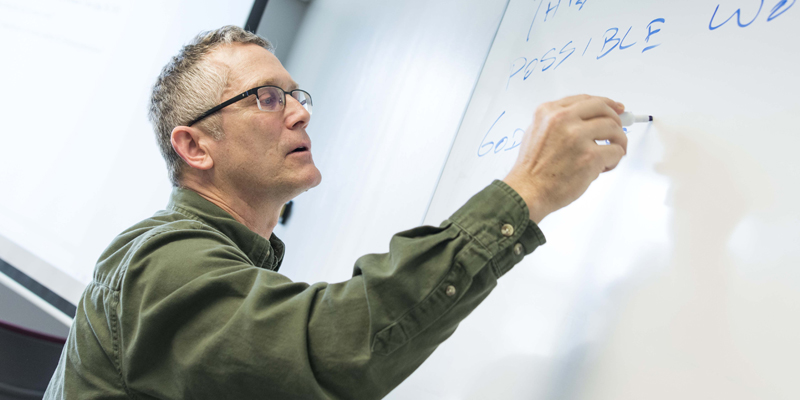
628,118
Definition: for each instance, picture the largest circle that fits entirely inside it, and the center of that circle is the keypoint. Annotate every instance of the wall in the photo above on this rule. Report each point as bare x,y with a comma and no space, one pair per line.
281,22
390,83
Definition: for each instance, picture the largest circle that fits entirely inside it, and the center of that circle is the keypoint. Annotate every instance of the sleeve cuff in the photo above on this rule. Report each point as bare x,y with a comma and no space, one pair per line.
498,219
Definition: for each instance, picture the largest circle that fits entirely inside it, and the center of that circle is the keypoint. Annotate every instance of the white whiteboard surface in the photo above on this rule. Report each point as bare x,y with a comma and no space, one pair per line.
676,276
78,157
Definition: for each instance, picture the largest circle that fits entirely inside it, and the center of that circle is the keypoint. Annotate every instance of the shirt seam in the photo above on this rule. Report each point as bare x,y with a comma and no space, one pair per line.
473,237
262,256
186,213
116,327
539,235
492,264
126,261
103,285
455,269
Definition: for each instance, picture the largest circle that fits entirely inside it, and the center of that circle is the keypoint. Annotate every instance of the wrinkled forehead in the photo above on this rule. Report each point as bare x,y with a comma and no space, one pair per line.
250,66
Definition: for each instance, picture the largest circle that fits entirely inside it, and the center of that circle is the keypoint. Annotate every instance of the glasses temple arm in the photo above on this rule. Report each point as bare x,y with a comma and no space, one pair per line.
220,107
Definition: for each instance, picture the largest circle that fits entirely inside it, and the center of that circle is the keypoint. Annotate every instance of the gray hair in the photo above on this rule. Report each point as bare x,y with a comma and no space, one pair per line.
188,86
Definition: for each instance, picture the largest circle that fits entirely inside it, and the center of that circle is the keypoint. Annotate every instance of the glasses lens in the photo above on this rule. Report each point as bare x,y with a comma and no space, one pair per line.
270,99
303,98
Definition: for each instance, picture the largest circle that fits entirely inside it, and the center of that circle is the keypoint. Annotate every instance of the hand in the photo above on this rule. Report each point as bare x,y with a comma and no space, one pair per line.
558,156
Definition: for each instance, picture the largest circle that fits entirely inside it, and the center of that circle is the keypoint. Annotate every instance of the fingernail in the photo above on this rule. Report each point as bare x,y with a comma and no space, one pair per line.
620,105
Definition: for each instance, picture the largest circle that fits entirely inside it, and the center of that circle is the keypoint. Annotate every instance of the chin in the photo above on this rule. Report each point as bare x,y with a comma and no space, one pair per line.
312,179
317,180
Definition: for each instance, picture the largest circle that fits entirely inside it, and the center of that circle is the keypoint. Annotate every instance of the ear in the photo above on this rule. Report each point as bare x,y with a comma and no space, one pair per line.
192,145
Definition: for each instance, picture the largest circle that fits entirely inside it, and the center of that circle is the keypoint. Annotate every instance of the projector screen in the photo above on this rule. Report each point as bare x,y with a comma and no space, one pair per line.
78,157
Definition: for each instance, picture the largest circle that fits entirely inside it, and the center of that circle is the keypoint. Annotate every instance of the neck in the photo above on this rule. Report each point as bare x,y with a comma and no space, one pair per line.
259,215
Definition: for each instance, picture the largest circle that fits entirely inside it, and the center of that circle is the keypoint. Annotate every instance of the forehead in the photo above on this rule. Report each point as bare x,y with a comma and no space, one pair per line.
250,65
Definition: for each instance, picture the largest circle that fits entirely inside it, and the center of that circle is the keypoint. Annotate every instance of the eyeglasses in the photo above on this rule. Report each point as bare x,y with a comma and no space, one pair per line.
269,98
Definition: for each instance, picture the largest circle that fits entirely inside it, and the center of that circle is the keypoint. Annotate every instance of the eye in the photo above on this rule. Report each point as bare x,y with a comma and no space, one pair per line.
270,101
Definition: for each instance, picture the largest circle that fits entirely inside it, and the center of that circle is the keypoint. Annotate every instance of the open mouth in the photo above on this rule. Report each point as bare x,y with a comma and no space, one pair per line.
299,149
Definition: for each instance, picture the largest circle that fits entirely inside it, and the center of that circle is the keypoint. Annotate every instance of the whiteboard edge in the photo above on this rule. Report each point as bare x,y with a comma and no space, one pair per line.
464,114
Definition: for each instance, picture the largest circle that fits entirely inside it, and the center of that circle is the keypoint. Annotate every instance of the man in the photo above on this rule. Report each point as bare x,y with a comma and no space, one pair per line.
189,303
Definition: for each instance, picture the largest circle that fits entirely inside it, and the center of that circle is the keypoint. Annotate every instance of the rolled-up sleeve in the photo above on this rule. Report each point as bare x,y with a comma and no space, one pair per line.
198,320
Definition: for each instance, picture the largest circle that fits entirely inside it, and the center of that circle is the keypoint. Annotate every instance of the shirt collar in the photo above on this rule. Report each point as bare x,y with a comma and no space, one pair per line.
262,253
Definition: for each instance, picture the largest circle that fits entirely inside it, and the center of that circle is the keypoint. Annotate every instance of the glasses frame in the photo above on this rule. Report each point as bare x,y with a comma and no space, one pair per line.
248,93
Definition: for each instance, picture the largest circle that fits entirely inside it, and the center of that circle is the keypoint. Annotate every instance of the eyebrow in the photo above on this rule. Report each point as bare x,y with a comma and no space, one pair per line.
272,82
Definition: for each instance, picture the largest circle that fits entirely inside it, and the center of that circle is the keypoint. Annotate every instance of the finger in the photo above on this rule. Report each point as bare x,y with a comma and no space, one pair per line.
609,156
617,106
570,100
596,107
605,129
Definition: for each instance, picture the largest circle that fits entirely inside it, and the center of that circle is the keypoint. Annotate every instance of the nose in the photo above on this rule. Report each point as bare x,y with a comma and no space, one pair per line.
296,115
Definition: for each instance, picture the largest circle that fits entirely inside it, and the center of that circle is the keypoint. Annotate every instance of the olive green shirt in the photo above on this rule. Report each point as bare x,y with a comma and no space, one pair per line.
188,304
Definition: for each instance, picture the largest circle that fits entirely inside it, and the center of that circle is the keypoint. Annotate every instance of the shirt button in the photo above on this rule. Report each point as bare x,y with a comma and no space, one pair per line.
518,248
507,230
451,291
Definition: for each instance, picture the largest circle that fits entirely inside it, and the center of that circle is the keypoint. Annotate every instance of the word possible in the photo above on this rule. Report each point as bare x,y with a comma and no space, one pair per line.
551,8
612,40
777,10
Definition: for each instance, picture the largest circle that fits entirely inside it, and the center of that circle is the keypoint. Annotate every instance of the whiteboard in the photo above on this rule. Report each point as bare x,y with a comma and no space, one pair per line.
676,276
